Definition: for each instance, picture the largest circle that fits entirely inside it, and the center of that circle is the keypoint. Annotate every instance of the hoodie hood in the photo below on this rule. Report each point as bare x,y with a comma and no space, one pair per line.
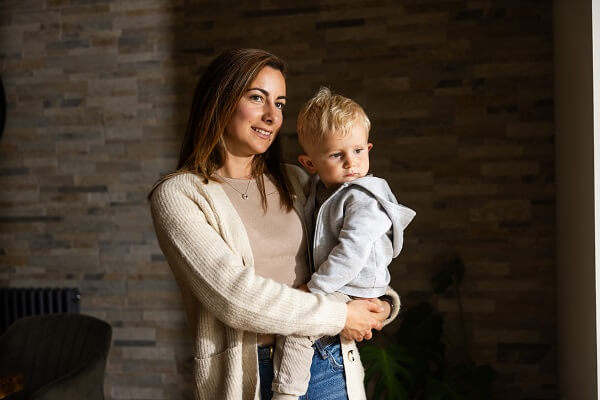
400,215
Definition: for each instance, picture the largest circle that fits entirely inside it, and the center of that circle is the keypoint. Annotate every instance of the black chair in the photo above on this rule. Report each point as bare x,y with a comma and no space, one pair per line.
61,356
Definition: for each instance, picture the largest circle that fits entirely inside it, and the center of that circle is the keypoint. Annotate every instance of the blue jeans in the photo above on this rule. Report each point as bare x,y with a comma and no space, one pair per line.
327,378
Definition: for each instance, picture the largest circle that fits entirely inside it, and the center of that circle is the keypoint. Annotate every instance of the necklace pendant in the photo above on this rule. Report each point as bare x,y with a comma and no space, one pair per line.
244,196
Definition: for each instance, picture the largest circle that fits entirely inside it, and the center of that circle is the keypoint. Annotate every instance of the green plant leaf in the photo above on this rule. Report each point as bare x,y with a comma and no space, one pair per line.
391,378
415,366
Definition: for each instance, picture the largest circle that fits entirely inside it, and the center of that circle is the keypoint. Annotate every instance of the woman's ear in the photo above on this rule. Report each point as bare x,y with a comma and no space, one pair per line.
307,163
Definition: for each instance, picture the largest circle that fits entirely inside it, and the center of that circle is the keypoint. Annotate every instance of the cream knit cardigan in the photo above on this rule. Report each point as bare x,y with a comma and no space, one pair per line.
208,250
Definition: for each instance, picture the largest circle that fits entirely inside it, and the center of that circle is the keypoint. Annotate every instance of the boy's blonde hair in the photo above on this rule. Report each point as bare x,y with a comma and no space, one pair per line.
327,113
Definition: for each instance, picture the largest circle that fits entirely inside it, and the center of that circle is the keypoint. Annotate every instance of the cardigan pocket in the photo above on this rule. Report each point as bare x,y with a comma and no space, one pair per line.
219,373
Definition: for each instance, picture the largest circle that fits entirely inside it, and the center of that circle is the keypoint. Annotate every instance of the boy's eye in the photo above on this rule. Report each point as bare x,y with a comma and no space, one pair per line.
357,151
335,155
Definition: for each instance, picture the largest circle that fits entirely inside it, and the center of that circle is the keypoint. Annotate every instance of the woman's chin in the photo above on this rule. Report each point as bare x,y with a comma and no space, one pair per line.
261,148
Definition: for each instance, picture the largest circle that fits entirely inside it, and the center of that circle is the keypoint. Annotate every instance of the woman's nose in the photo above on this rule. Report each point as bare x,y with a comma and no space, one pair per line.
271,114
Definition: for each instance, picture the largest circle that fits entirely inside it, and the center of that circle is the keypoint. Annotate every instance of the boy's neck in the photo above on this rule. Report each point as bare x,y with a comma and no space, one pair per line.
331,186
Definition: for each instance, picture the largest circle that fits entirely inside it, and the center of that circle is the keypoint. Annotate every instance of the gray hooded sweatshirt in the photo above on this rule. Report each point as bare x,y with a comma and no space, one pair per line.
357,232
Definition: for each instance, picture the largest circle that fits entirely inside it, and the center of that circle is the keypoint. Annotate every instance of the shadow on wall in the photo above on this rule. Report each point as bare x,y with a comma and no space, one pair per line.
2,108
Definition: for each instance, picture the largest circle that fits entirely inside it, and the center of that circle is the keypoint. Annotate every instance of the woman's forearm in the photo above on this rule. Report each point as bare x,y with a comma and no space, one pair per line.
217,277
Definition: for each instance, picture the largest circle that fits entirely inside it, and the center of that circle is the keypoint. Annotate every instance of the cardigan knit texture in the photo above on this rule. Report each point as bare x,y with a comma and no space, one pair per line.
227,304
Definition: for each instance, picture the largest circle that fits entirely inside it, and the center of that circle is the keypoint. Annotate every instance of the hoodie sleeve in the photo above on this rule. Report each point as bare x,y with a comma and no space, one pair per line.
365,221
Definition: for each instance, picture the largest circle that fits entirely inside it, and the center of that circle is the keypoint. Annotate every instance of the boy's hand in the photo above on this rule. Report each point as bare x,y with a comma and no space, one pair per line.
303,287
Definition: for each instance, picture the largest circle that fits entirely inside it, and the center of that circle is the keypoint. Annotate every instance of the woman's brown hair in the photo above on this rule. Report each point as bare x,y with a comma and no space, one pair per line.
218,92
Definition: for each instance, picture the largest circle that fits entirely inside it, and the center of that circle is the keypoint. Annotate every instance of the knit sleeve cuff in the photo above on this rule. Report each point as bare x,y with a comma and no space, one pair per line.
392,296
338,315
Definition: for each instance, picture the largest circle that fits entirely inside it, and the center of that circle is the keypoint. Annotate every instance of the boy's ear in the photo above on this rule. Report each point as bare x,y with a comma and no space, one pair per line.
307,163
369,146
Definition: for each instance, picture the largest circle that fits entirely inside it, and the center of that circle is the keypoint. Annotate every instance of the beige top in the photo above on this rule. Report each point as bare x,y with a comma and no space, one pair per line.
285,261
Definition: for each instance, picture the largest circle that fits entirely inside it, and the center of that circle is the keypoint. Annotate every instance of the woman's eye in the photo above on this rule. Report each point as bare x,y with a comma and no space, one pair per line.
255,97
280,105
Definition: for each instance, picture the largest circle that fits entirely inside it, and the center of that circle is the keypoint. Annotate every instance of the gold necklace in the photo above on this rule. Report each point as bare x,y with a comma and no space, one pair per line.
245,194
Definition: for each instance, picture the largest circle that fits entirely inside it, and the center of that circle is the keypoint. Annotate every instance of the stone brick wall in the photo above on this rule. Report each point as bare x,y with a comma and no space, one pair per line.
460,97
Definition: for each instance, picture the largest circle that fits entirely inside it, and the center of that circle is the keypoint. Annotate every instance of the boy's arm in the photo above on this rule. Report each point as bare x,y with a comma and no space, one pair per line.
364,223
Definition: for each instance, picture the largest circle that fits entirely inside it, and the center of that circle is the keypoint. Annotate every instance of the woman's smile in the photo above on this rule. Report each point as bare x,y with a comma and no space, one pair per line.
263,133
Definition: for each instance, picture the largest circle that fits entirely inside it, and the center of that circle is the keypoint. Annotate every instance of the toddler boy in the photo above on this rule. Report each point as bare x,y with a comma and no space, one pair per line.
353,219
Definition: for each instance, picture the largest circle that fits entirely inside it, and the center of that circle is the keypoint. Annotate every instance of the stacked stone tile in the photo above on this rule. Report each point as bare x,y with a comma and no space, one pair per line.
460,97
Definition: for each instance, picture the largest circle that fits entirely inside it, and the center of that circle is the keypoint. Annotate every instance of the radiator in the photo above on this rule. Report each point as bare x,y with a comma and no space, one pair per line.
16,303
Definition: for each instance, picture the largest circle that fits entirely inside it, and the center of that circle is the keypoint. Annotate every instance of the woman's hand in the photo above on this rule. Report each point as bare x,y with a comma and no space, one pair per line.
362,316
387,309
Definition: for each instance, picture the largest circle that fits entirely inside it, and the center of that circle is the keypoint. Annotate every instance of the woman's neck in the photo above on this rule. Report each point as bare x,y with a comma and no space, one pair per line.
236,167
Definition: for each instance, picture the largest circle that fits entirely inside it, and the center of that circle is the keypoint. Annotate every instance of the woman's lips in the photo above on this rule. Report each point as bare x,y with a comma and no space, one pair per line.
263,133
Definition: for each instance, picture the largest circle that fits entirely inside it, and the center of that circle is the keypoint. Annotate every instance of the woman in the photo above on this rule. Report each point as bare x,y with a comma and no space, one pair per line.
228,222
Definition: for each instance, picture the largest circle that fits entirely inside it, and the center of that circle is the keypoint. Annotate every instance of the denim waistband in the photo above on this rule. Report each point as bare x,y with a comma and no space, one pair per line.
265,353
322,343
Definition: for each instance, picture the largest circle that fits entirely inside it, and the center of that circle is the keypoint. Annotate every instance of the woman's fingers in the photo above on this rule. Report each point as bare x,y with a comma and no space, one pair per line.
355,335
361,318
345,335
385,314
377,325
375,306
377,309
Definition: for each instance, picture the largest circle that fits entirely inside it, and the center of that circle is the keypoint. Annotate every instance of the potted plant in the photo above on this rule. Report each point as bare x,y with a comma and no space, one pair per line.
414,366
